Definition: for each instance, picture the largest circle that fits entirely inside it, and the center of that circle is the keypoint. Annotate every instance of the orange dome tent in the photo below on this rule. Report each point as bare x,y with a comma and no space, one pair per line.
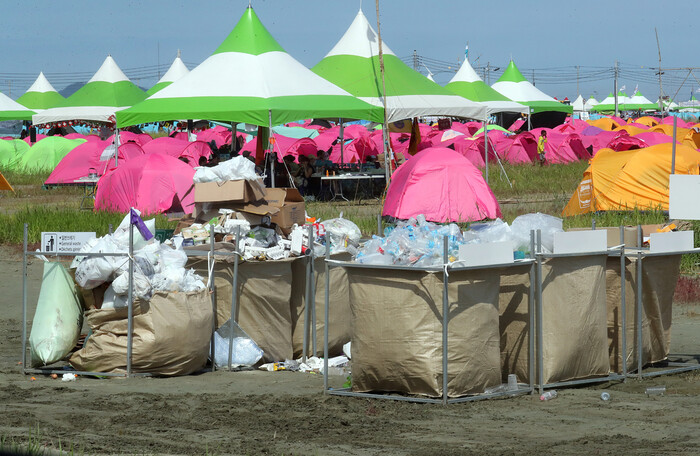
632,129
648,121
604,123
668,130
632,179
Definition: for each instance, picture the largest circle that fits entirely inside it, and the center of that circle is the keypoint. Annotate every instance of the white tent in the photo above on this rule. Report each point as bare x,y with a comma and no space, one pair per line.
108,91
353,64
176,71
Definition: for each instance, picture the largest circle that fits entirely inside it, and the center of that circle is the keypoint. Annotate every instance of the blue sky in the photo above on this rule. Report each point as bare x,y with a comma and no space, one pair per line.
69,40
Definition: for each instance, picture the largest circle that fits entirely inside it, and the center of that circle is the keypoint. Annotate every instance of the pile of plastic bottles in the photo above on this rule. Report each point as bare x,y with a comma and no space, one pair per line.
414,242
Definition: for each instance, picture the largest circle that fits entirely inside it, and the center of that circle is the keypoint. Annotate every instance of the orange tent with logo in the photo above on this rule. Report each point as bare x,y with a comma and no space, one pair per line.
631,179
604,123
4,185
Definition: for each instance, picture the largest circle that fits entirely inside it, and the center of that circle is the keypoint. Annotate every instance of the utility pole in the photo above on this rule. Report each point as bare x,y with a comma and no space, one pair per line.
533,77
615,87
578,92
415,60
661,89
488,73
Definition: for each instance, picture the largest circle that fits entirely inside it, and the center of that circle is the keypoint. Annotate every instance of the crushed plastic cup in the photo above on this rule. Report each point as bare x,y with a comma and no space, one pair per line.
69,377
605,396
512,382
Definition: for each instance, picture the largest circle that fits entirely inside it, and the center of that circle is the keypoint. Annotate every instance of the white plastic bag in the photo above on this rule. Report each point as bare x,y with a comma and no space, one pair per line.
169,279
58,317
549,225
94,271
170,258
245,351
342,233
114,301
236,168
192,282
121,234
142,286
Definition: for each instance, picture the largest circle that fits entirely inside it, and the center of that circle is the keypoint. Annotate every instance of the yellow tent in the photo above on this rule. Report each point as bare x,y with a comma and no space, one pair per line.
605,123
668,130
4,185
632,130
631,179
648,121
692,139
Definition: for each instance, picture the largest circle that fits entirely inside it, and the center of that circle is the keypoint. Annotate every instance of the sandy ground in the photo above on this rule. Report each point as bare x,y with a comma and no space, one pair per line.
286,413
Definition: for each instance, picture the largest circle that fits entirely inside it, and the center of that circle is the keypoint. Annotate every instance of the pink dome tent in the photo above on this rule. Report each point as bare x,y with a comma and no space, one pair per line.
625,142
441,184
78,163
354,152
152,183
653,138
177,148
523,149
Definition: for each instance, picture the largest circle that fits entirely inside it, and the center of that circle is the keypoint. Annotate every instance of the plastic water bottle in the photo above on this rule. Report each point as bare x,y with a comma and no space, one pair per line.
656,391
605,396
547,395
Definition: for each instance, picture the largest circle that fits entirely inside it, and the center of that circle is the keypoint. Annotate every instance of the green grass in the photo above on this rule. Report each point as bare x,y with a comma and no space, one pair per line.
16,178
41,218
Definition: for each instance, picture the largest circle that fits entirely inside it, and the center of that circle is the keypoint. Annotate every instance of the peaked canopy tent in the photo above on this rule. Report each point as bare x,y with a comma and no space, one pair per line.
466,83
41,95
639,102
108,91
353,64
11,110
608,103
176,71
545,110
249,78
579,104
588,105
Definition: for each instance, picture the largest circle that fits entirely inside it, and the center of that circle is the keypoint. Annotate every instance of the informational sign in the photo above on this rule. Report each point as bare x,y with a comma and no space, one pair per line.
580,241
683,196
486,254
64,242
674,241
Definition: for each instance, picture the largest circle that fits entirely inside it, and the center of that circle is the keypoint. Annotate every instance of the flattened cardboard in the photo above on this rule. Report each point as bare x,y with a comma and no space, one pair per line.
291,205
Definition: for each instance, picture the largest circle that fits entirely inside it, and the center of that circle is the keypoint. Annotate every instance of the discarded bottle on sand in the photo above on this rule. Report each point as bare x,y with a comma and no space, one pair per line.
605,396
656,391
547,395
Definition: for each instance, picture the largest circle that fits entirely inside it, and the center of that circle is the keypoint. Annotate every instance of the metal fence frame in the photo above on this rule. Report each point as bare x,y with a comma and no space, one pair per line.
445,321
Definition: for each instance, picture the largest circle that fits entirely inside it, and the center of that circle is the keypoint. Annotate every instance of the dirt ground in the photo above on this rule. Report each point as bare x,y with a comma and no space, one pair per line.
286,413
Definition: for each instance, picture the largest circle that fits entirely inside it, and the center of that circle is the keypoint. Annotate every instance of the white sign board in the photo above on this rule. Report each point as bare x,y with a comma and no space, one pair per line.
673,241
683,191
64,242
580,241
485,254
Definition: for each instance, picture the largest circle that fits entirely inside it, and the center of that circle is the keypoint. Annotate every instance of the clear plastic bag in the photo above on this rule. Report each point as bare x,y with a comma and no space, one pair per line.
523,224
245,351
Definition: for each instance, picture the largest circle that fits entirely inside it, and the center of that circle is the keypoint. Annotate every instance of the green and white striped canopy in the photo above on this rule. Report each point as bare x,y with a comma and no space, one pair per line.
608,103
11,110
353,64
108,91
640,102
41,95
466,83
176,71
249,78
513,85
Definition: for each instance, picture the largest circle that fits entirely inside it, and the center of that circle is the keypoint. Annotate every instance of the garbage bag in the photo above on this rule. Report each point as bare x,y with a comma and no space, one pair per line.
142,286
58,317
342,233
522,225
94,271
245,351
121,234
112,300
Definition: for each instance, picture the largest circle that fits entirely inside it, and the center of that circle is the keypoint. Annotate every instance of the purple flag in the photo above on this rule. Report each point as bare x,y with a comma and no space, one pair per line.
136,220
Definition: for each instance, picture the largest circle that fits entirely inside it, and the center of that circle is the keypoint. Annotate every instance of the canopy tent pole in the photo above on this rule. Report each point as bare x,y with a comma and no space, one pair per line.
233,137
529,119
269,149
341,136
385,129
486,145
116,146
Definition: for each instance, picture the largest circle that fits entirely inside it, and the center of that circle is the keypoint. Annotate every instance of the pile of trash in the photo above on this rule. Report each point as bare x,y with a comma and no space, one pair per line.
157,267
263,244
420,243
236,168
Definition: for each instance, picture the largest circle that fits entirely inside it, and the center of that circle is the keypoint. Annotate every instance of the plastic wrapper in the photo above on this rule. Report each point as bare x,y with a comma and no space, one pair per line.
523,224
121,234
245,351
113,301
94,271
142,286
342,233
169,279
234,169
170,258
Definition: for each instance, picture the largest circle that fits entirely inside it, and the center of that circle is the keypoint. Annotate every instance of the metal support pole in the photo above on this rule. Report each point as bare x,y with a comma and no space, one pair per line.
445,317
379,224
110,228
24,298
342,140
623,303
640,237
270,149
326,307
529,119
540,355
312,291
307,301
639,315
531,316
593,224
130,302
116,147
212,289
673,147
234,296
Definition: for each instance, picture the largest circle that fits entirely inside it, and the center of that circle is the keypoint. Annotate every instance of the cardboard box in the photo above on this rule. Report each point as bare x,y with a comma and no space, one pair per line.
292,208
240,191
255,214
